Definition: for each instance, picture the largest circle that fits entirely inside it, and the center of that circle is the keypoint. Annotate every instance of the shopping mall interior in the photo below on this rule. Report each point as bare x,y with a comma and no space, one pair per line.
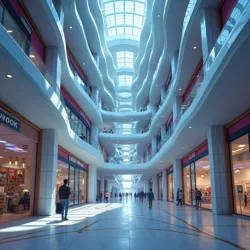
129,101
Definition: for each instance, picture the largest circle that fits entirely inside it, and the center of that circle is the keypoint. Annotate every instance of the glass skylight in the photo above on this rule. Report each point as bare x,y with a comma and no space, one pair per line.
124,17
125,80
125,103
125,59
124,94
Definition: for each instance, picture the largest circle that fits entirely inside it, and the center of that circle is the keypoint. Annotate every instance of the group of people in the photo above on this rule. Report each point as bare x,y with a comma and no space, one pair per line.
197,195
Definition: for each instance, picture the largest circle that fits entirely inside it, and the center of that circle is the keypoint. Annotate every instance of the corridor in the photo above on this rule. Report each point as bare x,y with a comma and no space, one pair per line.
128,225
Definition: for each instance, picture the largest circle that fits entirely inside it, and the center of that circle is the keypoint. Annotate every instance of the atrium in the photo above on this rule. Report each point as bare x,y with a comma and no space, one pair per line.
120,97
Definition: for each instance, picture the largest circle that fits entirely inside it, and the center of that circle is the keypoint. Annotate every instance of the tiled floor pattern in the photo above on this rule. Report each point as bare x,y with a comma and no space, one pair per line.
128,225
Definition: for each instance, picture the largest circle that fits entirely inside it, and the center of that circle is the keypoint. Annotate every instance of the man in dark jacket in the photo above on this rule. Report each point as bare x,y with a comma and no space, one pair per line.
64,193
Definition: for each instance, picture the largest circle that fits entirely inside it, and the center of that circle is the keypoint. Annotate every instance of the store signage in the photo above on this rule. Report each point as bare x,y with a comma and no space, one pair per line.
9,120
74,160
192,156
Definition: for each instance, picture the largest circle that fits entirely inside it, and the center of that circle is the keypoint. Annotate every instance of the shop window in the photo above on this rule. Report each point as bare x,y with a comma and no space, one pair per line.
62,174
240,167
197,175
82,187
72,185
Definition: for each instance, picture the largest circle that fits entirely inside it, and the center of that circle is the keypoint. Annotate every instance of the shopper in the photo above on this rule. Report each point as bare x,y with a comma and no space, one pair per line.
245,199
64,193
150,198
198,195
177,197
106,196
180,198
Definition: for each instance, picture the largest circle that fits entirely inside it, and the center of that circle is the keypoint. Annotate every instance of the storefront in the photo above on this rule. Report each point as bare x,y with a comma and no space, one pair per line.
196,174
18,161
170,183
160,187
238,138
74,170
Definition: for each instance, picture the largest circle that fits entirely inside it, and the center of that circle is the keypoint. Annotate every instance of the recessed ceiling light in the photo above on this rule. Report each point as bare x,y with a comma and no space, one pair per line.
70,27
183,148
195,47
9,31
190,127
32,56
179,88
9,76
241,146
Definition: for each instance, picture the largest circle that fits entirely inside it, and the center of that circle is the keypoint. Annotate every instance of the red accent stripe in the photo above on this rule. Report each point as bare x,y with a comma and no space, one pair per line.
239,125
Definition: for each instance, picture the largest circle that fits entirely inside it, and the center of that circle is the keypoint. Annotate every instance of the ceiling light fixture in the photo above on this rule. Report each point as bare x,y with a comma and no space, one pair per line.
9,76
241,146
195,47
1,157
70,27
180,89
9,31
190,127
32,56
237,171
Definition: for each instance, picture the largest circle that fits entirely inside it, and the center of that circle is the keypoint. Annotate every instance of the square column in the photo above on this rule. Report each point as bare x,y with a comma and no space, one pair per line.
174,62
54,66
220,171
48,172
146,186
210,30
176,109
164,185
155,187
154,146
92,184
177,176
102,185
94,135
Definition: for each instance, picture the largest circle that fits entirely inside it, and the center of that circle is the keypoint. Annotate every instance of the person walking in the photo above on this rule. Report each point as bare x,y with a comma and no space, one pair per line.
198,195
150,198
64,193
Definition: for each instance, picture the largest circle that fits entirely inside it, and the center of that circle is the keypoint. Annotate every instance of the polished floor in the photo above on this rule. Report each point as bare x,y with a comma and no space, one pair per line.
128,225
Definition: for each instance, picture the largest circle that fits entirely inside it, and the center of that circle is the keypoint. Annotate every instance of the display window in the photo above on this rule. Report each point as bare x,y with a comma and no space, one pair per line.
196,174
18,156
240,167
75,172
170,183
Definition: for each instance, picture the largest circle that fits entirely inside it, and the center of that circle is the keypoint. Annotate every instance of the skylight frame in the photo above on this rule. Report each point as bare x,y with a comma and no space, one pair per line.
124,17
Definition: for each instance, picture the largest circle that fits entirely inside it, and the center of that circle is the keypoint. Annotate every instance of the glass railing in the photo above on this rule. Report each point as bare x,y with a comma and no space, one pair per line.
83,84
8,22
119,110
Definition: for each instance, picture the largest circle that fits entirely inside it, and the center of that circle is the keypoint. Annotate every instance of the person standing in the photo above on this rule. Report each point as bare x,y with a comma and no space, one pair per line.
245,199
180,198
150,198
177,197
106,196
64,193
198,195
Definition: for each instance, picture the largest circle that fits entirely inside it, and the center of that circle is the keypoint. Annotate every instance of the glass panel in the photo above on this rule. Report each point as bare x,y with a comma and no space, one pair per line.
203,182
82,187
187,192
240,158
76,195
193,186
71,185
109,8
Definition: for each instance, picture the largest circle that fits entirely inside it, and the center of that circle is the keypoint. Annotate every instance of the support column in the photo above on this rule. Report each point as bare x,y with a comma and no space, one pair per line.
92,187
155,187
95,95
48,171
174,62
147,186
59,10
176,110
177,176
102,185
163,132
154,110
154,146
54,66
220,171
210,30
164,185
94,136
